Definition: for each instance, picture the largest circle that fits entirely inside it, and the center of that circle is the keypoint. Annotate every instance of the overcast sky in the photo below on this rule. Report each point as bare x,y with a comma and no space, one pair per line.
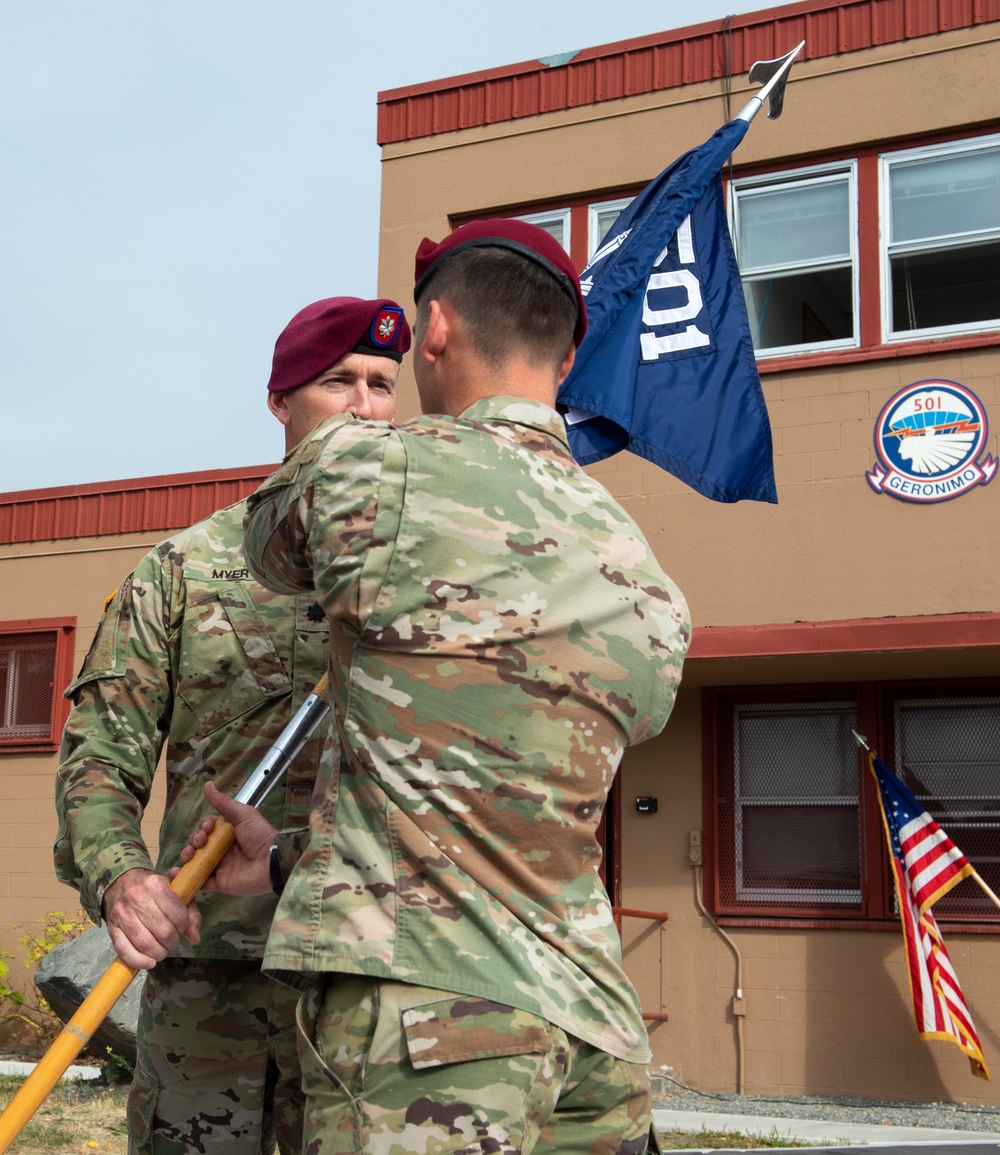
176,180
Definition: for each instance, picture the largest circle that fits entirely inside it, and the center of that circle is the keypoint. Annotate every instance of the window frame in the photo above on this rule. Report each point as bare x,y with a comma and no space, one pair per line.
747,894
887,249
563,214
868,287
814,175
877,907
594,210
578,208
62,630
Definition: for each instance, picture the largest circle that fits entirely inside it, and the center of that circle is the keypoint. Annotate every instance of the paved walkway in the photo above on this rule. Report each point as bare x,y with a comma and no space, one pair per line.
827,1133
15,1067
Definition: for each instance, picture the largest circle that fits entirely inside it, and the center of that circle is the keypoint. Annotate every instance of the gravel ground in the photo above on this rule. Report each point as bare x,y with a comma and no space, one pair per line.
673,1096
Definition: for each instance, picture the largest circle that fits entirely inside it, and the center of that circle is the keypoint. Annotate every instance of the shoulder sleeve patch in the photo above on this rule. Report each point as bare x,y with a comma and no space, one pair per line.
105,656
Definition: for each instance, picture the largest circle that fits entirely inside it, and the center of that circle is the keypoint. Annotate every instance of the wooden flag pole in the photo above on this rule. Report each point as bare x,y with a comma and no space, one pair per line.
110,987
973,873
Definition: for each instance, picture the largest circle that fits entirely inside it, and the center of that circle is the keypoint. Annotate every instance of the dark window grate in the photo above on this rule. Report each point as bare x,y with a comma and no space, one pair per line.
27,673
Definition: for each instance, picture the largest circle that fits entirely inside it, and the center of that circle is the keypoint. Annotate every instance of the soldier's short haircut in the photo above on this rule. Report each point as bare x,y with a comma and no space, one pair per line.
510,305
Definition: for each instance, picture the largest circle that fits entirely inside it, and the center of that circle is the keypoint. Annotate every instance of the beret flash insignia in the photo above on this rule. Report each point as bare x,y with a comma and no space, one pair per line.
385,326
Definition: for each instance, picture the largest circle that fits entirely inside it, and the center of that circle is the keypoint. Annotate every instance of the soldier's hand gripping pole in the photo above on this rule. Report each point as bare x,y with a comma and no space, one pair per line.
110,987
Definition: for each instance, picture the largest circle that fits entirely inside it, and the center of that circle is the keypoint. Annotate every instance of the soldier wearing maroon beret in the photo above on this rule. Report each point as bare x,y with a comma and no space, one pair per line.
500,632
196,659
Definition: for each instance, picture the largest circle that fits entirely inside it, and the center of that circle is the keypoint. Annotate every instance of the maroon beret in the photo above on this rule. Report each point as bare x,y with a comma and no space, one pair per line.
320,334
506,233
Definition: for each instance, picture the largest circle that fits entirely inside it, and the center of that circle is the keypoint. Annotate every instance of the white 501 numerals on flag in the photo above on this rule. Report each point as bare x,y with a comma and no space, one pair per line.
668,285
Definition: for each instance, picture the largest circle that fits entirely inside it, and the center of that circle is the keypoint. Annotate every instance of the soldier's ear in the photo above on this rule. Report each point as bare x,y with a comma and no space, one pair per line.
567,364
435,333
278,404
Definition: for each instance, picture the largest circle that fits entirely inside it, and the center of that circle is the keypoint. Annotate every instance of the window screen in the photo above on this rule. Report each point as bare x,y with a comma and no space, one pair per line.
27,670
789,830
947,752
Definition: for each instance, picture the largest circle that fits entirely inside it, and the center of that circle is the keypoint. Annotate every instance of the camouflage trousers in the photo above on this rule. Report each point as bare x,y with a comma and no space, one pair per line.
217,1068
391,1069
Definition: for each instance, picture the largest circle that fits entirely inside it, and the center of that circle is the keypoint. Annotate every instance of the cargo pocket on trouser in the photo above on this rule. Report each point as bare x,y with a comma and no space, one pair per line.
334,1022
475,1076
140,1111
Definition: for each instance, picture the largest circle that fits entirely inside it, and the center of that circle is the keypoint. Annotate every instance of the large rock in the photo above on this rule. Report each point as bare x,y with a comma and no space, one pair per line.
67,975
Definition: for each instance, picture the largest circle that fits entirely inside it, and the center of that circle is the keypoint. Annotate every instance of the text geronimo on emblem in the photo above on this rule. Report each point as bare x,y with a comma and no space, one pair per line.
927,440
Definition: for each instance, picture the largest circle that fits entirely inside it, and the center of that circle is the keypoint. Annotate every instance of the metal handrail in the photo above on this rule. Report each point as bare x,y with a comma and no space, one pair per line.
660,916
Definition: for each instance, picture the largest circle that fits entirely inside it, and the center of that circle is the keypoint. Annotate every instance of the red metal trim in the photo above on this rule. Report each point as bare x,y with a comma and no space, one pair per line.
886,924
34,625
869,255
659,916
135,505
662,60
710,794
652,915
877,353
863,635
157,481
609,835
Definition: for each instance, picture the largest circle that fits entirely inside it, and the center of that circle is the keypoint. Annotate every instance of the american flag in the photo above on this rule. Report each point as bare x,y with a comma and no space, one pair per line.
926,864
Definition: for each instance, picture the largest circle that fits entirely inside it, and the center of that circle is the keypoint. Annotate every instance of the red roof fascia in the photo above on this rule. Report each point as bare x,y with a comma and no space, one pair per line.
136,505
665,60
856,636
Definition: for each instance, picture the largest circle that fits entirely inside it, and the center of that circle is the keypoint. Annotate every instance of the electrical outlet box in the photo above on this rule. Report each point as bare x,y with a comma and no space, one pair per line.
694,847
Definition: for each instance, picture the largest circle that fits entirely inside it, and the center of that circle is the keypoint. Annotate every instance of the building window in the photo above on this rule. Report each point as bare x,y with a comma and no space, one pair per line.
795,803
795,236
556,222
34,670
941,227
600,217
793,824
579,224
947,752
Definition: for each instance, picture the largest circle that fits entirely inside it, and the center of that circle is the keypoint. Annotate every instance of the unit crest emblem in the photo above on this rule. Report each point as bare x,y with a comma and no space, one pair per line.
927,439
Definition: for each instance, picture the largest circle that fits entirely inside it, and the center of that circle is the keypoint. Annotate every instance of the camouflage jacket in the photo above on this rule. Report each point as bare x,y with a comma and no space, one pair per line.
500,630
192,654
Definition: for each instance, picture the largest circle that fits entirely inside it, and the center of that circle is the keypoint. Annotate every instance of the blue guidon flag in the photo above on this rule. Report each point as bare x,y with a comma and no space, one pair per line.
667,367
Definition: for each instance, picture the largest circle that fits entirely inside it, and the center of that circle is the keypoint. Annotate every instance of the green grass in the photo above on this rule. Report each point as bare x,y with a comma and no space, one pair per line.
723,1140
86,1117
78,1117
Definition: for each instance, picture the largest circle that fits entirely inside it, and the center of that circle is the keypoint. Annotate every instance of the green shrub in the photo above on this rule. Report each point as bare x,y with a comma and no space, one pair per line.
28,1011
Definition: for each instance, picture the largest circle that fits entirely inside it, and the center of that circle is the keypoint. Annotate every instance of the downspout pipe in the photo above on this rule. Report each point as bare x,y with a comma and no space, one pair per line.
739,1005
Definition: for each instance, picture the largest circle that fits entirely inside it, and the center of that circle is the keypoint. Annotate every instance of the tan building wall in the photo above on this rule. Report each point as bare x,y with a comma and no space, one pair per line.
826,1011
62,552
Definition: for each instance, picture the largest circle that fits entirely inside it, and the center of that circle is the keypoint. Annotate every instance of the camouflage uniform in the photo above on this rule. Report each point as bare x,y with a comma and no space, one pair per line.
193,654
500,630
